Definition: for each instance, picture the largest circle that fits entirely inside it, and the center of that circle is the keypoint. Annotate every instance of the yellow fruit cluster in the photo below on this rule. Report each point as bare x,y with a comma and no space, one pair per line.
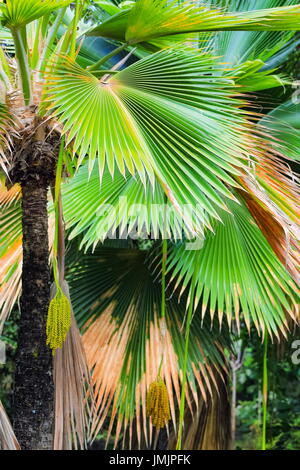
158,403
58,320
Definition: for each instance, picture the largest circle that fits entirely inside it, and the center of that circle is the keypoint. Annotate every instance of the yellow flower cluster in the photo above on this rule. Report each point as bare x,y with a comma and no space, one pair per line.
58,321
158,403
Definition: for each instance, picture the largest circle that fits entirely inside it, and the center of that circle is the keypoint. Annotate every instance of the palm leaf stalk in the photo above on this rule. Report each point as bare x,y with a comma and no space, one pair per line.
59,312
184,371
23,63
157,396
74,32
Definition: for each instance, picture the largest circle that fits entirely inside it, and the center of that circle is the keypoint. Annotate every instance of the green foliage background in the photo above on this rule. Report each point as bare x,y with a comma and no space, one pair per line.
283,430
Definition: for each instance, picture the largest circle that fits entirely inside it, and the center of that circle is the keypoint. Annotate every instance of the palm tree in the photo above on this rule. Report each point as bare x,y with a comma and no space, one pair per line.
172,129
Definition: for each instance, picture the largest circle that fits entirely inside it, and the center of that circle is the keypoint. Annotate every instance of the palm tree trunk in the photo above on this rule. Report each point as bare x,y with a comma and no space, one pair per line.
33,389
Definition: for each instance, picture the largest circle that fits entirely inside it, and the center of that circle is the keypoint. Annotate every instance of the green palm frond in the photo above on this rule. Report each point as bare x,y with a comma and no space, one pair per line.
243,5
237,47
97,120
6,40
156,18
108,6
251,77
238,275
119,206
17,13
169,115
114,27
117,301
11,222
284,124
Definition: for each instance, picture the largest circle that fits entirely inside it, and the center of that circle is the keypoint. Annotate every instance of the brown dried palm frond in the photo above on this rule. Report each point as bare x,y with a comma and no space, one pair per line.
209,428
11,259
6,126
74,398
8,440
105,345
9,195
11,244
273,200
10,280
117,300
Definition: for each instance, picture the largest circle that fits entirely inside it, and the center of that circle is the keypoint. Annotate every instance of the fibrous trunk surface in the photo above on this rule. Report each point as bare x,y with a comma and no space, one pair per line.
33,167
34,391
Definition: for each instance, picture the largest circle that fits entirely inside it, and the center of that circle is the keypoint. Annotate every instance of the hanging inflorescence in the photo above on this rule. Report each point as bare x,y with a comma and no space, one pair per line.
58,320
158,403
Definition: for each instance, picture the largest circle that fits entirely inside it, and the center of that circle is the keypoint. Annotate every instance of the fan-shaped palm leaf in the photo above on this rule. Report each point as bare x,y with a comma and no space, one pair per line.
118,302
170,114
6,40
115,138
119,207
156,18
17,13
238,274
114,27
251,76
108,6
237,47
150,18
284,124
